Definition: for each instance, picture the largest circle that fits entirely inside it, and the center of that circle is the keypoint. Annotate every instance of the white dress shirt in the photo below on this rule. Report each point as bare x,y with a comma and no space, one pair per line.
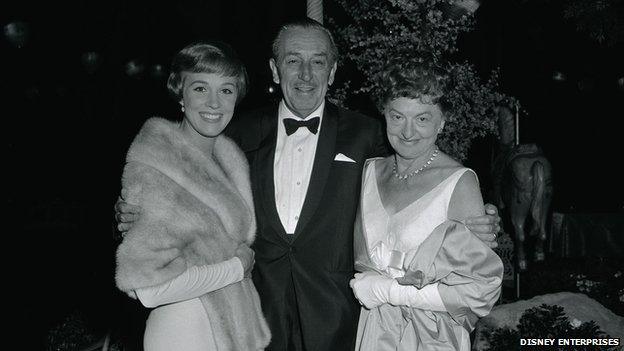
292,168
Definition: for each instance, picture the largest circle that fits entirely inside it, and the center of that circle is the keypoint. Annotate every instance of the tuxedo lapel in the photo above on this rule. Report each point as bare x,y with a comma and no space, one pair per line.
264,171
322,163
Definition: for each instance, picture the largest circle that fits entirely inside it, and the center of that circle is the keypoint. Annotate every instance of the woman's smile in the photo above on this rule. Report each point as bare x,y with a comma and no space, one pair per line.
409,141
211,116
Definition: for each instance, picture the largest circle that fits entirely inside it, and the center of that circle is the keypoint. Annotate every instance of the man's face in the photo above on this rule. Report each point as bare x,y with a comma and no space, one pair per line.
304,69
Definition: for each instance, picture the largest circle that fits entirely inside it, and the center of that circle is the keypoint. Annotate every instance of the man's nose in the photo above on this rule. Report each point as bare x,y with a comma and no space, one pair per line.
305,71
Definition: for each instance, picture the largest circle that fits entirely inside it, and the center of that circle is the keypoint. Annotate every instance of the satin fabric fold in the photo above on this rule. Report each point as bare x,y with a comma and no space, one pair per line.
468,274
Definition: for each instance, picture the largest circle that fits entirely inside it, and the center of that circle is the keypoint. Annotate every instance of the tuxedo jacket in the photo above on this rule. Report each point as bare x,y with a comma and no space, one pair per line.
303,278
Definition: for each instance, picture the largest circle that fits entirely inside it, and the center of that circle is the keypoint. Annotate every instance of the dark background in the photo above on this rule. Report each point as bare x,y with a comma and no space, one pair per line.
66,130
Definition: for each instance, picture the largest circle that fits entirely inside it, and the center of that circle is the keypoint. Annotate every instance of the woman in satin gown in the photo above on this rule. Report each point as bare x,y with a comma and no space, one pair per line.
424,278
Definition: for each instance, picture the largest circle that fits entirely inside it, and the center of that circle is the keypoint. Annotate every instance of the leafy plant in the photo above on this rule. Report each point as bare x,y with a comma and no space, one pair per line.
599,20
422,30
600,279
74,333
545,321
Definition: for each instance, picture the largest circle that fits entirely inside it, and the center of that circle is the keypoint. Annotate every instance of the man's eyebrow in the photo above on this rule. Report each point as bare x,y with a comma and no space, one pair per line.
295,53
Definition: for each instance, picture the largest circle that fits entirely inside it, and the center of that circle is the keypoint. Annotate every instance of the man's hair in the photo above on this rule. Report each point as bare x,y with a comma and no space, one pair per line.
421,81
305,23
213,57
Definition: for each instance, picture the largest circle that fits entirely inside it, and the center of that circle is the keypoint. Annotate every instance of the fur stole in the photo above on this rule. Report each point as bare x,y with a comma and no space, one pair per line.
195,210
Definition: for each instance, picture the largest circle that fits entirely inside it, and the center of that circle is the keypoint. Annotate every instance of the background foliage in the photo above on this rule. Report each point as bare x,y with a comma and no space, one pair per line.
546,321
373,32
601,21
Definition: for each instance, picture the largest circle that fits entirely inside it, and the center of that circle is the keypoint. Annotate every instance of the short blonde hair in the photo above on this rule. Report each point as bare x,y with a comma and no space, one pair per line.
207,58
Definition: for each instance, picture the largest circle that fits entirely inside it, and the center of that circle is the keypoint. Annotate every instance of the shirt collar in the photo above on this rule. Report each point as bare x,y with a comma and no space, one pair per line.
285,112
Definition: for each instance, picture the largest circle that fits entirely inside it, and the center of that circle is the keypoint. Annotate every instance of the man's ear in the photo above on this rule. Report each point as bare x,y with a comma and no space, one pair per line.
274,70
332,73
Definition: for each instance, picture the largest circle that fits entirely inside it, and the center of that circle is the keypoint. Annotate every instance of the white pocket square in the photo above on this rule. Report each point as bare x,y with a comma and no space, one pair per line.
343,158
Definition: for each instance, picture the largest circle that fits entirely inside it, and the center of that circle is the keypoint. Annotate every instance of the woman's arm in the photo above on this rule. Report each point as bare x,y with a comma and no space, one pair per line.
466,201
194,282
373,289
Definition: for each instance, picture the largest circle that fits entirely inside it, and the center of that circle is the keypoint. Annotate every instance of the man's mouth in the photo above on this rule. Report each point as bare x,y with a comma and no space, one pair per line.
304,89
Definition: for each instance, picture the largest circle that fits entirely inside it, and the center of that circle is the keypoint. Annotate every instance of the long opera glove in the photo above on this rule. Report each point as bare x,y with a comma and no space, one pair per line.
427,298
371,289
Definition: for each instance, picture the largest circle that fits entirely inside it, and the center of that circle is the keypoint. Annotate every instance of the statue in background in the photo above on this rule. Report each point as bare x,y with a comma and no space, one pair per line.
522,178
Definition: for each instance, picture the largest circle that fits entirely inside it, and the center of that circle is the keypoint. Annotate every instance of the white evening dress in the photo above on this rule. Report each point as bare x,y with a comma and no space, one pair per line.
392,240
178,320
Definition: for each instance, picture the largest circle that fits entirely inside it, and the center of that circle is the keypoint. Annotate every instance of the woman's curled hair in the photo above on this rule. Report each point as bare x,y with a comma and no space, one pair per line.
421,81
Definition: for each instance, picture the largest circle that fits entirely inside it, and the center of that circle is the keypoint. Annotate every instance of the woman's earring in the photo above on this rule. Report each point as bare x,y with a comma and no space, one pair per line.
439,129
182,108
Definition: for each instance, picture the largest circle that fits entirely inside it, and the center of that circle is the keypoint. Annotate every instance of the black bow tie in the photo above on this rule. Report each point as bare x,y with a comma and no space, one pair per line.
292,124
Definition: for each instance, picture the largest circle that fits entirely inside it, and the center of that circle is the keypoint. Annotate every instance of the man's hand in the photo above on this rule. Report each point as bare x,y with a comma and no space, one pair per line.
125,215
486,227
246,255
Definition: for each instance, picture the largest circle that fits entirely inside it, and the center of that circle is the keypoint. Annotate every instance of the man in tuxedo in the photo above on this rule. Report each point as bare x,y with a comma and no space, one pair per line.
306,157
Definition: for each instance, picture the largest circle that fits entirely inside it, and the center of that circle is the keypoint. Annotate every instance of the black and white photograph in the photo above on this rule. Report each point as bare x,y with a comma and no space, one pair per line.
314,175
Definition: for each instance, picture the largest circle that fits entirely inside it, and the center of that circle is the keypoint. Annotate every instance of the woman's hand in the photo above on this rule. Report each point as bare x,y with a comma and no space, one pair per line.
246,255
371,289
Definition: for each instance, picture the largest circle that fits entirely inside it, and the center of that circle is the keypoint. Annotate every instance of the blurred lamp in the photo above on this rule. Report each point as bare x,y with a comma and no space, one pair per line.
134,68
585,84
558,76
157,71
91,61
620,83
17,33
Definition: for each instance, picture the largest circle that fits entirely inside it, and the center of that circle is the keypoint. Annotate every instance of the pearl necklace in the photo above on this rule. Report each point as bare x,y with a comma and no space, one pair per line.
409,175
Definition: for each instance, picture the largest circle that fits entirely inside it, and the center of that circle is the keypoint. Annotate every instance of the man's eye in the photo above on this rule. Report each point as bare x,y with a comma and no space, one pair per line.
292,61
319,63
397,116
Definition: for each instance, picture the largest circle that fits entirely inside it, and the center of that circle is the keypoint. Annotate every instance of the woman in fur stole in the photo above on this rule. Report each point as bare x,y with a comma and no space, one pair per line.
187,255
425,278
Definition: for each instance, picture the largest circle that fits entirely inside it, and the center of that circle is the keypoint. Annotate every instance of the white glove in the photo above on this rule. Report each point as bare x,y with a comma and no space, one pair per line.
427,298
372,289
